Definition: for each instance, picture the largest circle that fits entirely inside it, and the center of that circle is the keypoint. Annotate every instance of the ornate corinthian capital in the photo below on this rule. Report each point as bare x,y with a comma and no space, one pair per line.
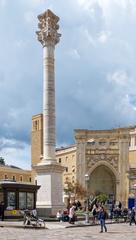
48,27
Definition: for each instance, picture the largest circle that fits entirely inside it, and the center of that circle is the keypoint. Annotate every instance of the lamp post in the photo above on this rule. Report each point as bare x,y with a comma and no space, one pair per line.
87,200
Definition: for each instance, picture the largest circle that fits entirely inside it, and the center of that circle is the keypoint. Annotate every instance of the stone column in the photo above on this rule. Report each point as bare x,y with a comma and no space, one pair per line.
49,173
49,37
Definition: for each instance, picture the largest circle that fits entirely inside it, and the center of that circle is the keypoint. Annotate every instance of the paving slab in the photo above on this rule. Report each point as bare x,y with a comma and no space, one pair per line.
48,225
115,232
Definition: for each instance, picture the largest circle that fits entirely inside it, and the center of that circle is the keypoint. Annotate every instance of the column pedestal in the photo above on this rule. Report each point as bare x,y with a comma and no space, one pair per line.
49,197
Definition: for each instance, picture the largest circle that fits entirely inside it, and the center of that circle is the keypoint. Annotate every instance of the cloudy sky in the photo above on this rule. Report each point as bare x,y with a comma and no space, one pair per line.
95,70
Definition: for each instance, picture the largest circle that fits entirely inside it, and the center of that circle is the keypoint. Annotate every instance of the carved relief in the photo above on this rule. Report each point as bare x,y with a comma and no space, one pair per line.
48,27
111,159
104,149
102,143
113,143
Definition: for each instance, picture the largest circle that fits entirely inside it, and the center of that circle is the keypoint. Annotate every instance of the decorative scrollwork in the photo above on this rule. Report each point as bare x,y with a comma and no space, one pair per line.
111,159
48,26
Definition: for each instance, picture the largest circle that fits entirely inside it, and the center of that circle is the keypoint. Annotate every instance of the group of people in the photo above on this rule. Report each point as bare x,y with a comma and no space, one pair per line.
101,215
131,215
117,212
68,215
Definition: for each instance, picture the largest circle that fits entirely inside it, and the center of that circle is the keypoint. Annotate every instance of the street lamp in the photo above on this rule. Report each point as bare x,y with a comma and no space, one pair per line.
87,203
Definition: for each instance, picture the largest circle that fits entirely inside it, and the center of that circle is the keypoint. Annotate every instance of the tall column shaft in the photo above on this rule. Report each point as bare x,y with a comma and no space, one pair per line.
49,172
48,36
48,104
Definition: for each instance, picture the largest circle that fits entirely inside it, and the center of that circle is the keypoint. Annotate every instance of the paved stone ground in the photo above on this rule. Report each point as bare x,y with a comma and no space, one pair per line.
115,232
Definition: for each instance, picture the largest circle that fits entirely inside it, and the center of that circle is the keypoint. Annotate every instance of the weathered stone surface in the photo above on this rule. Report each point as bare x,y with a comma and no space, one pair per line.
49,173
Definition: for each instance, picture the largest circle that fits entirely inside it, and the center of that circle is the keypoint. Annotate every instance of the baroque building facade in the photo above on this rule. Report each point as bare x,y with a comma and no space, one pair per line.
15,174
108,157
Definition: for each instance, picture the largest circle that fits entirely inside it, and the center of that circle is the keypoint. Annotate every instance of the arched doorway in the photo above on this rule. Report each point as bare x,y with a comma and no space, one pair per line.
102,180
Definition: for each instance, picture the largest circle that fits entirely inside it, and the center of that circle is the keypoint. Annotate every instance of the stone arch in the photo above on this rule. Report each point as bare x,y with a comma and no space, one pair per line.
103,178
107,165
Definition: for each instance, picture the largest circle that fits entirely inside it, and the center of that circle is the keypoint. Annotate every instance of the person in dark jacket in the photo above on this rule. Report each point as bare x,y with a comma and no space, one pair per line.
102,216
2,210
132,216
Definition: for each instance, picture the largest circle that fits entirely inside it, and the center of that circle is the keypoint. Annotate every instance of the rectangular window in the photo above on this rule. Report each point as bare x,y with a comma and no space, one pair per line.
30,200
14,178
73,157
22,200
26,200
21,178
36,125
11,200
6,176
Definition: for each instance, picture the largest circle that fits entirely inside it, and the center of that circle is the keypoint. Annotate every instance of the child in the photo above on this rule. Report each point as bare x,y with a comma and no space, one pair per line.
59,215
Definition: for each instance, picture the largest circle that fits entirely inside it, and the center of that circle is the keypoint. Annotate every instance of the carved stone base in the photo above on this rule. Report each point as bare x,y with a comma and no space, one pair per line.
49,196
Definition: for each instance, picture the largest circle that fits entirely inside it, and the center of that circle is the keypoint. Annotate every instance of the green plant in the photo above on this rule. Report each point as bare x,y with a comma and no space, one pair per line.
102,197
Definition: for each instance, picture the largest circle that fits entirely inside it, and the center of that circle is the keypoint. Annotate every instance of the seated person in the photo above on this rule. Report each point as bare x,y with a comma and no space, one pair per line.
34,213
59,215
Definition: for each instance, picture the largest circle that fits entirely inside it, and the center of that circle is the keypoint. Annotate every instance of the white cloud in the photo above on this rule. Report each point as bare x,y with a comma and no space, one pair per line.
15,153
89,37
124,92
132,4
73,53
15,113
103,36
3,3
109,8
89,4
117,9
86,4
125,106
38,2
20,43
29,17
33,3
119,77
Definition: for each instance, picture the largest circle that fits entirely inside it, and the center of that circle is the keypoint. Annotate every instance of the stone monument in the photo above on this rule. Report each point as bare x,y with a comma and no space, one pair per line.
49,172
